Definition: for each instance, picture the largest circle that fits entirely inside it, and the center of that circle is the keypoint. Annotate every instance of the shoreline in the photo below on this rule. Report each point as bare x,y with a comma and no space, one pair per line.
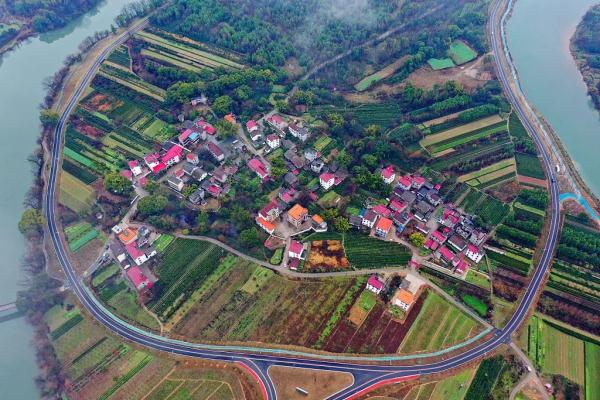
581,188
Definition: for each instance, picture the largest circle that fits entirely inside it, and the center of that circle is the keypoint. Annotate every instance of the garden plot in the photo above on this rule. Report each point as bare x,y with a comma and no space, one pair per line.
74,194
382,74
461,53
495,172
443,136
326,255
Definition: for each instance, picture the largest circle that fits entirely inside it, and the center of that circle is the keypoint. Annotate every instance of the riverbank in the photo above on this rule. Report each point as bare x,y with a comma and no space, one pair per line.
569,175
585,49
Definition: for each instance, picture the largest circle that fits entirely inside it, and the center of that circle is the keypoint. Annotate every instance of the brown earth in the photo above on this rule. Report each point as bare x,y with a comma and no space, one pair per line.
471,76
326,255
533,181
318,384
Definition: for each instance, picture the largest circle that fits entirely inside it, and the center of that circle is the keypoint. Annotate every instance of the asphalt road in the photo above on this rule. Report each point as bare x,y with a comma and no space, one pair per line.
258,360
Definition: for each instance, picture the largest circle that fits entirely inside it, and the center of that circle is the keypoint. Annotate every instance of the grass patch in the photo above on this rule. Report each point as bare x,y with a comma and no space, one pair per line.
529,165
440,63
461,53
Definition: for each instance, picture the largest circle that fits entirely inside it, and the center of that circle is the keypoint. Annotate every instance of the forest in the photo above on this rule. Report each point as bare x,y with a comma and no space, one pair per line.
586,48
47,15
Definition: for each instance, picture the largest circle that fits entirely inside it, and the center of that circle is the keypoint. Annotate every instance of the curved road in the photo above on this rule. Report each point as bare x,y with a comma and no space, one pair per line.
258,360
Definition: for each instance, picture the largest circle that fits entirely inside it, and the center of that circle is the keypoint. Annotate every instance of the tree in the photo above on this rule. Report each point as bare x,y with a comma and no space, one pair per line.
341,224
48,118
249,237
31,222
278,168
117,183
344,159
203,222
222,105
153,204
373,130
226,129
417,239
370,160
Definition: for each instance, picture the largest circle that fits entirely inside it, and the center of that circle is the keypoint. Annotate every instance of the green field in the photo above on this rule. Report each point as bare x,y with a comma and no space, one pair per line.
503,167
74,194
485,378
367,300
461,53
438,325
440,63
384,73
163,242
529,165
366,252
125,304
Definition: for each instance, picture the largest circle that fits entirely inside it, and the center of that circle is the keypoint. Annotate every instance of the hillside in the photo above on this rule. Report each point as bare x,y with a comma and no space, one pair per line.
585,46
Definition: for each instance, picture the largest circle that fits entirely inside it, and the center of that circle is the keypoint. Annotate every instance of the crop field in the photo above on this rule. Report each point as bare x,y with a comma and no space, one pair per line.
132,81
529,209
461,53
322,142
440,63
79,171
529,165
185,264
163,242
102,274
555,351
513,262
453,137
74,194
367,252
384,73
485,378
281,311
183,55
444,162
439,325
120,56
125,304
491,210
331,199
157,130
515,127
384,114
326,255
488,173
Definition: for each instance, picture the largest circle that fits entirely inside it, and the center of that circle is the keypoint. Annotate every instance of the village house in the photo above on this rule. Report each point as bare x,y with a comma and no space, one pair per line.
139,255
477,237
276,122
192,158
433,198
296,249
175,183
438,237
374,284
401,219
297,215
317,166
388,174
270,212
291,179
382,210
287,195
202,100
444,254
311,154
473,253
405,183
460,265
128,235
397,205
220,175
230,118
259,168
199,174
267,226
449,217
273,141
457,242
327,180
318,223
383,226
369,218
135,167
188,136
408,197
127,174
418,182
252,126
403,299
214,190
197,197
138,279
298,132
297,161
215,151
355,221
205,127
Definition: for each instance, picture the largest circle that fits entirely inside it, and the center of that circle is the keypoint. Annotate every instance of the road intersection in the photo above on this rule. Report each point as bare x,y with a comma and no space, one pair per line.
368,372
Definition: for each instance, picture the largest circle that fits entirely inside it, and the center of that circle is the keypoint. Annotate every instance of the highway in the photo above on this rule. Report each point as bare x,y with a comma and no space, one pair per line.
379,370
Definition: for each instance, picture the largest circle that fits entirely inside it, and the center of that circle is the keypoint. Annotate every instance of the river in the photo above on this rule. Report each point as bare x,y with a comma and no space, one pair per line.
22,72
539,32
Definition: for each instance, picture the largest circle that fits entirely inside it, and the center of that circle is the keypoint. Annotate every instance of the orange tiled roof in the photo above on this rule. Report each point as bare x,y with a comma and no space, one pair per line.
384,224
317,218
268,226
297,212
405,296
128,235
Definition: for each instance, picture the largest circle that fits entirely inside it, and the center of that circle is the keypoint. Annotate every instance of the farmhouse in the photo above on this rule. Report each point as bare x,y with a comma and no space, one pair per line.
369,218
205,126
388,174
197,196
327,180
175,183
259,168
276,122
403,299
134,167
382,210
296,249
473,253
215,151
270,212
273,141
457,242
138,279
382,229
405,183
298,132
252,126
138,255
374,284
128,235
438,237
267,226
397,206
297,215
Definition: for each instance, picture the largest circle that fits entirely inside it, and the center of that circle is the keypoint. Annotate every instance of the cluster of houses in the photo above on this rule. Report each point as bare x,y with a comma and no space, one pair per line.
132,248
404,297
295,219
276,137
455,240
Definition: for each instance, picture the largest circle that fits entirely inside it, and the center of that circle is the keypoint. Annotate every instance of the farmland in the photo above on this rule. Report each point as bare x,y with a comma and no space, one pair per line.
440,63
491,211
557,350
529,165
80,234
461,53
74,194
364,252
184,265
460,130
439,325
485,378
182,52
326,255
380,75
499,171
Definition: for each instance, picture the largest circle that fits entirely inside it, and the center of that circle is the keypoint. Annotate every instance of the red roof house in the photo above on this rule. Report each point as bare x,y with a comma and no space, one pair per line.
259,168
296,249
388,174
173,155
382,210
374,284
137,277
251,126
